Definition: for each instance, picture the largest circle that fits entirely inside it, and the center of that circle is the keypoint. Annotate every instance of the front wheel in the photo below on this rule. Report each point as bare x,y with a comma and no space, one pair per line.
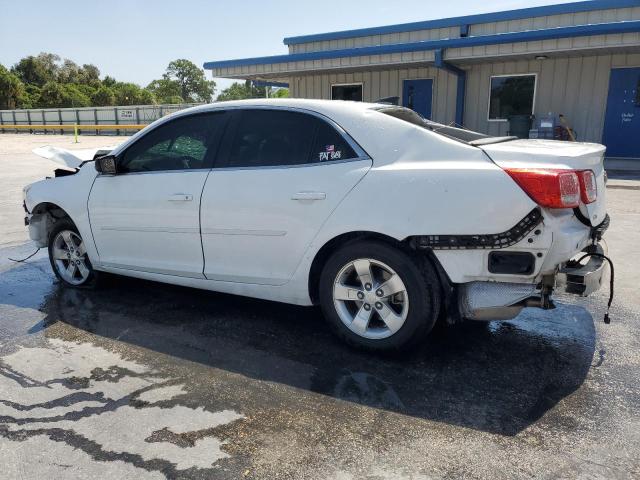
379,297
68,255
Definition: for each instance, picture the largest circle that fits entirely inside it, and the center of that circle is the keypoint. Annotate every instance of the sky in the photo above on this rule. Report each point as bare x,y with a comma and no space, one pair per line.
134,40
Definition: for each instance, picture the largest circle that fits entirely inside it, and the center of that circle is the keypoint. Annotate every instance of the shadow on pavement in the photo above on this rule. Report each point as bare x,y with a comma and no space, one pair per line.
498,377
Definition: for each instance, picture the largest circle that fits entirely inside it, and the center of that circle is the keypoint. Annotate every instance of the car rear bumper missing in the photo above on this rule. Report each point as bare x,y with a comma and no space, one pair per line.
584,278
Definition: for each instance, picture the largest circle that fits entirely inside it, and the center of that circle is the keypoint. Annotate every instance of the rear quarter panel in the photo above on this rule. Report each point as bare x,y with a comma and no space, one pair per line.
436,186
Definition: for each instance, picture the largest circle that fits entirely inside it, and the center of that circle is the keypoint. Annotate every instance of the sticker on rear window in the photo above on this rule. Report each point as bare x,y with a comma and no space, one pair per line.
330,153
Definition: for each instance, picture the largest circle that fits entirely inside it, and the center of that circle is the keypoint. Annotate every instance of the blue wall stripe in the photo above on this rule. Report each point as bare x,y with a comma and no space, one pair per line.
262,83
575,7
500,38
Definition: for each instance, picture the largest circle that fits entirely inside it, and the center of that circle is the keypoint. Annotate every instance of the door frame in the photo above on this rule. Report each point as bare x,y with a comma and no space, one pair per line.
433,90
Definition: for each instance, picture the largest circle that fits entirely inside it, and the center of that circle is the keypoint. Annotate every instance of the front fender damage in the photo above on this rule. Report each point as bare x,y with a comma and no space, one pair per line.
40,225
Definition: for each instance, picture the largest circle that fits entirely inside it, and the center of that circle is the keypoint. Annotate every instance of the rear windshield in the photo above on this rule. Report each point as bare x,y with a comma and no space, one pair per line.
460,134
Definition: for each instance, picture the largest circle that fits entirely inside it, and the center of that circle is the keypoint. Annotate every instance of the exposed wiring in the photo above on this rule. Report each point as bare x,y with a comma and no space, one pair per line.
26,258
607,320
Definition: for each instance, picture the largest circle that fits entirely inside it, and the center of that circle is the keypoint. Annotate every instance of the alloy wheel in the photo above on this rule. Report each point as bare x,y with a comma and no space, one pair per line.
70,257
370,298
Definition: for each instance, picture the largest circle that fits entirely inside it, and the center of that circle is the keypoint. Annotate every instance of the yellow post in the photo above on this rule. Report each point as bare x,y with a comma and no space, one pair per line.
75,132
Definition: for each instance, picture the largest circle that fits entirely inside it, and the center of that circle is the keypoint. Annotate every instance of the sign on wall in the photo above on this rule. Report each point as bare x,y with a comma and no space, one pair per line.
126,114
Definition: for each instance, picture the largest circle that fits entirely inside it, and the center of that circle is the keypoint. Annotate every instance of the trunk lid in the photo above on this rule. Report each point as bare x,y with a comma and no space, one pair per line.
553,154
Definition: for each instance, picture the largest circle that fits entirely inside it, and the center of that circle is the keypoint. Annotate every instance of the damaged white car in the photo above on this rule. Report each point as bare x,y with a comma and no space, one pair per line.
386,220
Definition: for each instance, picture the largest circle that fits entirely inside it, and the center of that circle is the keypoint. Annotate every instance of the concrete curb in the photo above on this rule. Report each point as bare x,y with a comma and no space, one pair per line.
624,187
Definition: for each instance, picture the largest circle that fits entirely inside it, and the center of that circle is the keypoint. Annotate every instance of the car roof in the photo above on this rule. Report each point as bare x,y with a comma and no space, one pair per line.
326,107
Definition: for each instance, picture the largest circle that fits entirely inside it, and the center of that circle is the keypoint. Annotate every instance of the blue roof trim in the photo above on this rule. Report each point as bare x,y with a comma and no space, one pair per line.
262,83
531,35
575,7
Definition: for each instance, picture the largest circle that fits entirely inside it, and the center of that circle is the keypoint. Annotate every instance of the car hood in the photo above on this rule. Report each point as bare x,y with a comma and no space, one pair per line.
71,159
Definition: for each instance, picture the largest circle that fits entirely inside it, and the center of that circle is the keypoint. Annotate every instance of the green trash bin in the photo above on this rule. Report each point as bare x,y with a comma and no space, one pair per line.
519,125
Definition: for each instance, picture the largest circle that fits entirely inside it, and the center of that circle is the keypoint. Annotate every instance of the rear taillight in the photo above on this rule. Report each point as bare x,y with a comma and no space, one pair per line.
588,186
549,188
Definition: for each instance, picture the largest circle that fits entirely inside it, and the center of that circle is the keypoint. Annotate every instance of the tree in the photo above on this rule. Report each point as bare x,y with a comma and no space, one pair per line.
30,97
74,97
37,70
146,97
90,75
126,93
11,89
57,95
103,97
108,81
172,100
240,91
166,91
280,93
132,94
237,91
69,72
194,87
51,95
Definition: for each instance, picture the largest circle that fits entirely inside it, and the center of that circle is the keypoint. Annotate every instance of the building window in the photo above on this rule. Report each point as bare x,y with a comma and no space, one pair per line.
511,95
347,92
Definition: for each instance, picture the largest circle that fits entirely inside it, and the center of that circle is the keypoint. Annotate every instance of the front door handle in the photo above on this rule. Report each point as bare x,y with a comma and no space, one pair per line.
180,197
309,196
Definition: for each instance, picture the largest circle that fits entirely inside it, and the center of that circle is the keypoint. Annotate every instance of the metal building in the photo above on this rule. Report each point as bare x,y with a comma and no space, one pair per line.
581,60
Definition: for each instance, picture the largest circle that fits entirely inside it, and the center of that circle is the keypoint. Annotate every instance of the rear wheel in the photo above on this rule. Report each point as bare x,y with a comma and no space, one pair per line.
68,255
379,297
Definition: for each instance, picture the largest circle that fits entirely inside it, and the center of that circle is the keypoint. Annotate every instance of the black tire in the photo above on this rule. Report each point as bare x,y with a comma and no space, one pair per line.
59,226
422,287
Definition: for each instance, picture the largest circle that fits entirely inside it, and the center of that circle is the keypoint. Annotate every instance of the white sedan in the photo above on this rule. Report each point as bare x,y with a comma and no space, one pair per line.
386,220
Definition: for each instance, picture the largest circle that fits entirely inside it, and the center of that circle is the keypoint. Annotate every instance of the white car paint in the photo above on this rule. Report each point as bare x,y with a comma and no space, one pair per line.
259,240
267,214
149,221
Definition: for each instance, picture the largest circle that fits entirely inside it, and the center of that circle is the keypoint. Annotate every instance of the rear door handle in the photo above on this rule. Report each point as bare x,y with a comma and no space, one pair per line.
309,196
180,197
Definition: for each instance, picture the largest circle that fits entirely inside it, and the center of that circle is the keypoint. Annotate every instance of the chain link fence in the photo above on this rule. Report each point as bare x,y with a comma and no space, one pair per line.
61,120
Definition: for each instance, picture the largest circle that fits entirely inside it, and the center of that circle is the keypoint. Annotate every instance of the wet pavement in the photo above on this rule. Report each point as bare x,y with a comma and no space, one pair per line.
142,380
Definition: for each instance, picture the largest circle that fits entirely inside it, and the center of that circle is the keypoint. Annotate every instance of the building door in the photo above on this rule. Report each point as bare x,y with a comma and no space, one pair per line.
622,122
416,95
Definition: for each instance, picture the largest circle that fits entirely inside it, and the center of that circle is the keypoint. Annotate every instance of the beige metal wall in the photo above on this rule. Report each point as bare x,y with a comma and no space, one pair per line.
534,23
378,84
576,87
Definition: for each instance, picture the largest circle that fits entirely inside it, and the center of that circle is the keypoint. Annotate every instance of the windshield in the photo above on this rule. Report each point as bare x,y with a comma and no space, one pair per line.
460,134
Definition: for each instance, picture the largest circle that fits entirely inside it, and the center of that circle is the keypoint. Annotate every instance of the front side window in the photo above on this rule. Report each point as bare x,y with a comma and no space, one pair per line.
511,95
347,92
182,144
268,138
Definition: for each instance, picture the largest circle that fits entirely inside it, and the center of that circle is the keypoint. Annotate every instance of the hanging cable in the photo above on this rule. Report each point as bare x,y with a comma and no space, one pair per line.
607,320
26,258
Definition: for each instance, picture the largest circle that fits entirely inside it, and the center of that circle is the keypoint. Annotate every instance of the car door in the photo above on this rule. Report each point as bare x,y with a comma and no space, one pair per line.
147,216
281,173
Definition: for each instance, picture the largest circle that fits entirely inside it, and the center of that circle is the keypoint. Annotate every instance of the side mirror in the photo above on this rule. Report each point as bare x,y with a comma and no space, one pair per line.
106,165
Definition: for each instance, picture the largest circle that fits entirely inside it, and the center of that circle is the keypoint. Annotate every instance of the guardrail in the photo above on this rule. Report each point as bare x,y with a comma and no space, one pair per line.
111,120
76,128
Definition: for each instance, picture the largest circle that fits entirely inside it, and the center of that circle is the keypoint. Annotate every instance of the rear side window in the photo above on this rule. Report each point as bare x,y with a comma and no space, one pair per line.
330,145
269,138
